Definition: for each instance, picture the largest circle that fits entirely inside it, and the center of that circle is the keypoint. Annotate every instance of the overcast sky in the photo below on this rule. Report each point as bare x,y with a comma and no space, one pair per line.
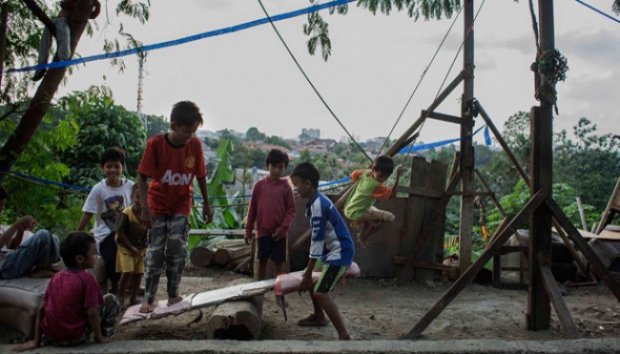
247,79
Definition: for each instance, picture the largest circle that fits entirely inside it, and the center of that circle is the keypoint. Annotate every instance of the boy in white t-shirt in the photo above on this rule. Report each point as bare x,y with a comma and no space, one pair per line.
106,201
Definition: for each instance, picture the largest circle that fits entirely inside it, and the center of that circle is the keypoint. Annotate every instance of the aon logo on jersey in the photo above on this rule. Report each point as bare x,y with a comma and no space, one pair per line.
176,179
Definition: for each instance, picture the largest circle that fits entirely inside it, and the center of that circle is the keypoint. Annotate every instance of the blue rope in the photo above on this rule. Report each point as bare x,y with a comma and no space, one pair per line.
183,40
411,149
46,181
597,10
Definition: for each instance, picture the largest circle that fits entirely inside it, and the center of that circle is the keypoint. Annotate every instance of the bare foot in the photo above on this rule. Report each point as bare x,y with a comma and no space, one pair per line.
347,337
174,300
146,307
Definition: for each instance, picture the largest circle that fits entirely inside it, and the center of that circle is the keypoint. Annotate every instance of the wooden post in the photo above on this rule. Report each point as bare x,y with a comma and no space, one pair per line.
467,150
539,310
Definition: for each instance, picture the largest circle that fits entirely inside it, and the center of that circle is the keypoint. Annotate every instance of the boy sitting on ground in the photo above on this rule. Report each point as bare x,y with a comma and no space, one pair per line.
367,188
73,307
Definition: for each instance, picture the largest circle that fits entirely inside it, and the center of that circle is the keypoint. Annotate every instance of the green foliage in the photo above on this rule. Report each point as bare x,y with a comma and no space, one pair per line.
253,134
103,124
24,33
156,125
224,216
553,66
53,209
591,164
276,140
318,29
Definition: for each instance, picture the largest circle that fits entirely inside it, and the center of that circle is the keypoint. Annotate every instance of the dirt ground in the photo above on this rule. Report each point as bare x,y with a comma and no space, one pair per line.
379,309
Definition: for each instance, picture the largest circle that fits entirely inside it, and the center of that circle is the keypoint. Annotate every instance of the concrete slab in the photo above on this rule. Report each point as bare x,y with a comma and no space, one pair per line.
598,345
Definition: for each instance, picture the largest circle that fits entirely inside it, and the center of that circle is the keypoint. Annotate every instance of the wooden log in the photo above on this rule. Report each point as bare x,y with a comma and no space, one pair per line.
244,266
201,256
224,255
240,320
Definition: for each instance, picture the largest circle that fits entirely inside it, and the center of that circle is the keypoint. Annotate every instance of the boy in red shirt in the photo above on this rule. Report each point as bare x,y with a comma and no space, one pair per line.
72,306
171,161
272,207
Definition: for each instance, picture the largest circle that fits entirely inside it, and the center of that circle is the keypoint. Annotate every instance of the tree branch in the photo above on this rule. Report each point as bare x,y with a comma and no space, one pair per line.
41,15
28,124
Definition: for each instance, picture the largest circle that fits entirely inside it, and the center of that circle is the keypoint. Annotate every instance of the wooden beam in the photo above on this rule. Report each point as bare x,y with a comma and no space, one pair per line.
488,189
468,276
566,321
443,117
597,265
503,144
400,143
539,307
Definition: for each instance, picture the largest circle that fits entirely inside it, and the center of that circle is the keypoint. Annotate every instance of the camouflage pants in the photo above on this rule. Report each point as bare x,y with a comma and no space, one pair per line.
167,244
110,313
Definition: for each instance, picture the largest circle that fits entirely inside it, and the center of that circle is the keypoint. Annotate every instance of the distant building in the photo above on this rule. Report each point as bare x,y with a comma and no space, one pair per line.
309,134
320,145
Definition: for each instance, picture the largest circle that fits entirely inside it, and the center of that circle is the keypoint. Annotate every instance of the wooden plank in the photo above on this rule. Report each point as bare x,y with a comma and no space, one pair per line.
566,321
444,117
414,216
597,265
419,191
498,205
503,144
468,275
613,205
209,232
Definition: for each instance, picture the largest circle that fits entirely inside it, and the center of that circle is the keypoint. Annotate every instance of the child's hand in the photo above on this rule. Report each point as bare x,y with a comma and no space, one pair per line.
27,346
147,217
207,214
306,281
278,235
400,169
247,237
27,223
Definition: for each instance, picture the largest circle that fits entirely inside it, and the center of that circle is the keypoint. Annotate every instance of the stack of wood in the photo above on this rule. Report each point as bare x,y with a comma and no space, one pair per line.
230,254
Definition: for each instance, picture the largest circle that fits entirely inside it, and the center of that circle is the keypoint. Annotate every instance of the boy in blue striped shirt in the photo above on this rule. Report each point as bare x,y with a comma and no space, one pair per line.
331,244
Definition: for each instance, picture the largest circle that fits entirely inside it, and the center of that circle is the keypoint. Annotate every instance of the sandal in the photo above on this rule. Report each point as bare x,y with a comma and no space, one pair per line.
311,321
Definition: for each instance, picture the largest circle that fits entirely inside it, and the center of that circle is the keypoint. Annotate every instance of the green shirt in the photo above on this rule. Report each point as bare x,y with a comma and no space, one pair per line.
361,198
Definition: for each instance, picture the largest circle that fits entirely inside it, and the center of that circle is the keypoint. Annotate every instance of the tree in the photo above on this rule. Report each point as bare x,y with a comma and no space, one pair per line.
103,124
253,134
156,125
276,140
21,25
591,164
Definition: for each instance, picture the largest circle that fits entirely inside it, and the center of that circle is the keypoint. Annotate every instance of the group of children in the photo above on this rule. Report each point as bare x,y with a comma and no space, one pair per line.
143,229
